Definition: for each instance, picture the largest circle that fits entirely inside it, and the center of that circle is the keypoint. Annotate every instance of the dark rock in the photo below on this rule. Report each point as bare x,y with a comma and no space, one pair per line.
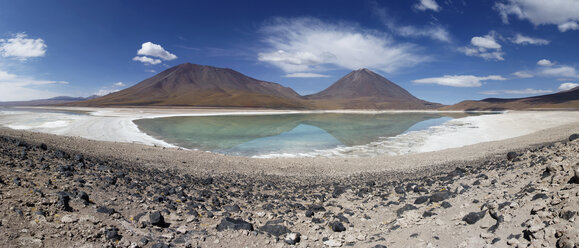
400,190
83,196
156,219
337,226
338,191
317,220
512,155
113,234
234,224
379,246
17,181
407,207
439,196
232,208
539,196
421,199
160,245
143,241
473,217
309,213
317,208
567,214
105,210
63,202
18,212
40,212
342,218
573,137
428,214
43,147
275,230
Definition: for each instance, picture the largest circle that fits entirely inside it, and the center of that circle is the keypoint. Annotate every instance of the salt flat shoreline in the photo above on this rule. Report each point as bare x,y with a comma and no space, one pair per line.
199,162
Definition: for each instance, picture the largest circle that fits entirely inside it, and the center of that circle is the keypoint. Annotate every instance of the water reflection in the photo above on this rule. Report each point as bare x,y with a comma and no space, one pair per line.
289,133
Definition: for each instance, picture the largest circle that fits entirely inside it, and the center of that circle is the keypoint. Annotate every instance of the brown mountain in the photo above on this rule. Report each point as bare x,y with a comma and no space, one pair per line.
562,100
202,86
364,89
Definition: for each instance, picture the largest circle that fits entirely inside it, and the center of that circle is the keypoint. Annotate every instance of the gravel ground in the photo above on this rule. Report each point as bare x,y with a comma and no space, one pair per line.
70,192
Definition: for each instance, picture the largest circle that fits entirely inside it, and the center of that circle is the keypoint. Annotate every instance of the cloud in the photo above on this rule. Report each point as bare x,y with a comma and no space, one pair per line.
526,40
22,88
110,89
485,47
424,5
527,91
545,62
560,71
155,50
152,54
147,60
432,31
563,13
22,48
522,74
459,80
567,86
572,25
305,75
309,44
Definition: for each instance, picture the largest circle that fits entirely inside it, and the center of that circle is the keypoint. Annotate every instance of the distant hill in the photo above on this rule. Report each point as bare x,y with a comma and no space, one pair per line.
50,101
562,100
365,89
206,86
202,86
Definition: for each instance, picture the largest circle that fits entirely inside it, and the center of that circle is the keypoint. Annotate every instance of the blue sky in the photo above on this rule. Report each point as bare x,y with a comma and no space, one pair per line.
440,50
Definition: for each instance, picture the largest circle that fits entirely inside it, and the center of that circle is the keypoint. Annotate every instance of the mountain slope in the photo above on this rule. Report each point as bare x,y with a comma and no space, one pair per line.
203,86
364,89
563,100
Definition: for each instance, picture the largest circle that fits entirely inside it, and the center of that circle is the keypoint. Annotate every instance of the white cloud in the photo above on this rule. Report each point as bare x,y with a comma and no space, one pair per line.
545,62
522,74
563,13
110,89
527,91
22,88
458,80
568,86
305,75
526,40
485,47
560,71
154,50
147,60
309,44
22,48
487,42
432,31
572,25
427,5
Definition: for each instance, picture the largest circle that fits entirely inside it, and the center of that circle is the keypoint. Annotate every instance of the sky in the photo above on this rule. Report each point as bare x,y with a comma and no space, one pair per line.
442,51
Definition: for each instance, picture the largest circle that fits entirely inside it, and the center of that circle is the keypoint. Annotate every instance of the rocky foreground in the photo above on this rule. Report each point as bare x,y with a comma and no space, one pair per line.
68,198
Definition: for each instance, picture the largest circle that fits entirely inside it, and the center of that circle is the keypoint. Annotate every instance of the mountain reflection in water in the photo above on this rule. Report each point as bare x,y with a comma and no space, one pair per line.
250,135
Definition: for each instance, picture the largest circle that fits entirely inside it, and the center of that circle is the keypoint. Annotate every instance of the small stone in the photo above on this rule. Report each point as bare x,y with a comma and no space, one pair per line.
161,245
105,210
473,217
439,196
113,234
573,137
512,155
275,230
292,238
234,224
337,226
333,243
565,242
232,208
63,202
421,199
156,219
182,229
68,219
309,213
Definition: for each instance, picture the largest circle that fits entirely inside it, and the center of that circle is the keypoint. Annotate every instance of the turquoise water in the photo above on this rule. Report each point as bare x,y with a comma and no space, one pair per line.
287,134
